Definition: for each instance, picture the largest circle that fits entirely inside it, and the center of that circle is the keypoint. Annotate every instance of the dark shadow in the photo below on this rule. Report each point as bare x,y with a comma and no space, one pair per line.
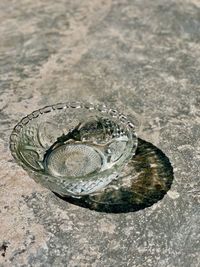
145,181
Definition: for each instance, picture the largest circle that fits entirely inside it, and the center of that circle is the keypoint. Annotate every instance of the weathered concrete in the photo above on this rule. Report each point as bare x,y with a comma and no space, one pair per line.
142,57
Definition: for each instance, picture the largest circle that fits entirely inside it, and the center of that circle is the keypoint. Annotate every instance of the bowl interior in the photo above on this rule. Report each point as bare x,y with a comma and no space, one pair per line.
73,140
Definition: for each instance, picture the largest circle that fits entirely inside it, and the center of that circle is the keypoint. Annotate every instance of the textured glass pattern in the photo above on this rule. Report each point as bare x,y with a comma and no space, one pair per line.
73,148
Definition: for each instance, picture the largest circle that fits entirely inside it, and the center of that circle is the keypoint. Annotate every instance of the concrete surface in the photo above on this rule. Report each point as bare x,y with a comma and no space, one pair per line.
142,57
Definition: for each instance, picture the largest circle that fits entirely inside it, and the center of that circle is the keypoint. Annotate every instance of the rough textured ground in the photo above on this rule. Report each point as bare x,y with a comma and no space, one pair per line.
138,55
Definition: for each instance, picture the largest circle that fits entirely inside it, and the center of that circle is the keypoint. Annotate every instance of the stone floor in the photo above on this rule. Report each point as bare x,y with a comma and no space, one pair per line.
140,56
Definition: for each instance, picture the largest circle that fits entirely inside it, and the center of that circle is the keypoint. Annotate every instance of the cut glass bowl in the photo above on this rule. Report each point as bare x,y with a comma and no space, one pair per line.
73,148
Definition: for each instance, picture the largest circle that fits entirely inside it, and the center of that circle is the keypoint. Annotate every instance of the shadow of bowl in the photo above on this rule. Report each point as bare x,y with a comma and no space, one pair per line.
145,180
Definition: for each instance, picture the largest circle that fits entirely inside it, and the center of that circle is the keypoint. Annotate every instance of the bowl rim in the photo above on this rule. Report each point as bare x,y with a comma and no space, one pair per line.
100,107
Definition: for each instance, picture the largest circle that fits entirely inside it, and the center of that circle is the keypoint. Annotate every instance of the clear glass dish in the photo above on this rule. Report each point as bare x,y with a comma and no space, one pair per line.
73,148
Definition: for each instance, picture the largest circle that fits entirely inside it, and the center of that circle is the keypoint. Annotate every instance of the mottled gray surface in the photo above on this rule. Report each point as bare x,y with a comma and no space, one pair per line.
139,55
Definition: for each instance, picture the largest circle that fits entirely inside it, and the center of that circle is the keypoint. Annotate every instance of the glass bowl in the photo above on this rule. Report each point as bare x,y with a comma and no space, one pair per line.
73,148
